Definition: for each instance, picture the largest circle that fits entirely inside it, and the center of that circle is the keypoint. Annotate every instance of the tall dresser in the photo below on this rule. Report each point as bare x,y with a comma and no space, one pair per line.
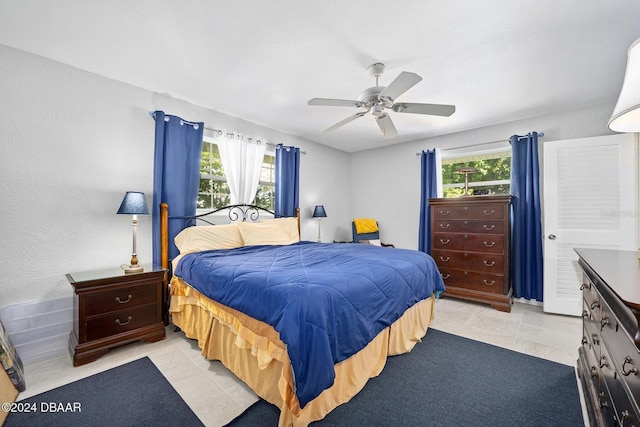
470,244
609,357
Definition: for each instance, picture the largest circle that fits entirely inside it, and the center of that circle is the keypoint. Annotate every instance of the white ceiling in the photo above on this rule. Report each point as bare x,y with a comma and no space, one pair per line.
496,60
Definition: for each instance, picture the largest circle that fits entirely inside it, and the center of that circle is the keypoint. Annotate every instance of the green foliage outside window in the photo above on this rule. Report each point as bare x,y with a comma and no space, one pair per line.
493,175
214,192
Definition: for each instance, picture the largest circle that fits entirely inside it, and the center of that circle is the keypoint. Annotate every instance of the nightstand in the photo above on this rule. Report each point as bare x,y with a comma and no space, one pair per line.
112,308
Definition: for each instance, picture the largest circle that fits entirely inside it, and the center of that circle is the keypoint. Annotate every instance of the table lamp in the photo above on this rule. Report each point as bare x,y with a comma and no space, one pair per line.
134,203
319,213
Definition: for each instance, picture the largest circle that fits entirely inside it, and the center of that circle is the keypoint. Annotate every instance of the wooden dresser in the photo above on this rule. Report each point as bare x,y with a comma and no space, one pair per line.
470,244
609,357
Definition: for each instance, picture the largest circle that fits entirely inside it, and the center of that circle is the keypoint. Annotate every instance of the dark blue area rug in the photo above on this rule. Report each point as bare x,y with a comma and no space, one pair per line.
134,394
448,380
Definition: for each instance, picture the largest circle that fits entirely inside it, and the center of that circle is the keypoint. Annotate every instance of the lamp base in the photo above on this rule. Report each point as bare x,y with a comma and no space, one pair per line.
128,269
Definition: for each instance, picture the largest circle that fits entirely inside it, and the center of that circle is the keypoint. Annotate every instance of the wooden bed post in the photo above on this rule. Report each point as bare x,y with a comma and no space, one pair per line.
164,259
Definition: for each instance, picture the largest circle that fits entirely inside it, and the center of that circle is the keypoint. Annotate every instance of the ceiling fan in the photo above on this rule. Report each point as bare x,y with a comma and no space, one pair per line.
377,99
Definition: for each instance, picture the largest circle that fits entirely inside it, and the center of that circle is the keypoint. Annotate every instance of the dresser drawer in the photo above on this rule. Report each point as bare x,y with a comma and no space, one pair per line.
490,283
469,211
489,243
116,322
471,261
121,298
469,226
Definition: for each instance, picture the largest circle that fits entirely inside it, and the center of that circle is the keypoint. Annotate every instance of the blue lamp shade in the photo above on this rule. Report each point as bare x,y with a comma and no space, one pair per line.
134,203
319,212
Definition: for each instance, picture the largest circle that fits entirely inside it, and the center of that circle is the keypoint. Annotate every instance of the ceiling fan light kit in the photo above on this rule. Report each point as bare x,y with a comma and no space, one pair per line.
378,98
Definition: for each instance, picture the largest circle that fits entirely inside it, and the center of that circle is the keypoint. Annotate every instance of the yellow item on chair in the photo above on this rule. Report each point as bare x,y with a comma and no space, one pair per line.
365,225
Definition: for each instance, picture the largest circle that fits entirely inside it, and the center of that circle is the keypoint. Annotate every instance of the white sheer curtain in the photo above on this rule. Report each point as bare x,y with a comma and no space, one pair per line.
242,163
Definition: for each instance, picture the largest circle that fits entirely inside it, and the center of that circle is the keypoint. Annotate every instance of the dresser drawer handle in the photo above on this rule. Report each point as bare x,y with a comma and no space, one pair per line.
604,322
445,258
490,245
445,241
603,362
489,264
583,286
125,301
444,213
595,339
125,323
594,371
489,283
488,213
445,226
486,227
445,276
594,304
626,373
585,340
585,314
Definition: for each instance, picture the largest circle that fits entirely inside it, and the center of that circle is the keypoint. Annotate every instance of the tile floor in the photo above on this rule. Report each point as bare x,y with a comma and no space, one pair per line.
217,397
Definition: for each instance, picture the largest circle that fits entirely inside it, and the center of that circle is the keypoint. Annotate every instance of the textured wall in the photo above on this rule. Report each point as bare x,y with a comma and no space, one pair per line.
72,144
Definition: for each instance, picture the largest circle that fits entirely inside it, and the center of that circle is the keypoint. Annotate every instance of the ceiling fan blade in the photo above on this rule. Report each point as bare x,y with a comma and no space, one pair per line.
400,85
430,109
334,102
386,125
345,121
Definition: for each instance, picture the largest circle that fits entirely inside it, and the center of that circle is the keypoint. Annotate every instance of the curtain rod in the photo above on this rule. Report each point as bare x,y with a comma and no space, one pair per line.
258,141
541,134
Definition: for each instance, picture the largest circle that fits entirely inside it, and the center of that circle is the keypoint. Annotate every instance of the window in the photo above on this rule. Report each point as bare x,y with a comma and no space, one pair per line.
214,191
493,176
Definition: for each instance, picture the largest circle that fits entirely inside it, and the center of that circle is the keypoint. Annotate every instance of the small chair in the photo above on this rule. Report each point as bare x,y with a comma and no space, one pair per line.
365,230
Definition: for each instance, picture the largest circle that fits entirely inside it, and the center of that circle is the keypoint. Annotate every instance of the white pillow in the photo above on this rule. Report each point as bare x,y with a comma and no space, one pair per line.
208,237
375,242
277,231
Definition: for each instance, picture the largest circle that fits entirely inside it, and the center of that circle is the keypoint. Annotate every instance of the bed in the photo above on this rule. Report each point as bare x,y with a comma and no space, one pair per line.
305,325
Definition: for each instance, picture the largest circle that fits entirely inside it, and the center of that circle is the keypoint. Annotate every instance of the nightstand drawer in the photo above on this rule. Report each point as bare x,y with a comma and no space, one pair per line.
116,322
121,298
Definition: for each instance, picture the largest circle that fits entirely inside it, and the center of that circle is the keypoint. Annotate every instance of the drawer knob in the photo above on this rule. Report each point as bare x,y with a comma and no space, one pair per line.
490,245
633,369
585,314
444,213
445,241
125,301
445,226
489,264
583,286
488,213
445,276
594,304
585,340
594,371
595,339
445,258
118,322
604,322
489,283
486,227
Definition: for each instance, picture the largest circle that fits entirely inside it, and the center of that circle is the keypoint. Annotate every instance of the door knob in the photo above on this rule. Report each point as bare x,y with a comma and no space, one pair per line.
552,237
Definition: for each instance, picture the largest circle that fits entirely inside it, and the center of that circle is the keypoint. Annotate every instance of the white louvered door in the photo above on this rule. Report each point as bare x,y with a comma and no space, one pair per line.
590,201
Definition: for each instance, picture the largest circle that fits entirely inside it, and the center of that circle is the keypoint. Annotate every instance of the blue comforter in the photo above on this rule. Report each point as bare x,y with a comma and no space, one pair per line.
327,301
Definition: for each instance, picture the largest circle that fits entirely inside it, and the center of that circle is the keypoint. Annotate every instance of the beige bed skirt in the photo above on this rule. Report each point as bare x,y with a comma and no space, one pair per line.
253,351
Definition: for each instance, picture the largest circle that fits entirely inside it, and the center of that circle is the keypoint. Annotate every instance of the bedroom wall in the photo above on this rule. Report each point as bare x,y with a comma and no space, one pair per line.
385,182
73,143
